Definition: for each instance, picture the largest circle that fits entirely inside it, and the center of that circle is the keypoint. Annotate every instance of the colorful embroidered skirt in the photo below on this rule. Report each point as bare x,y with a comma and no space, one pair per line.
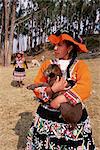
49,132
19,74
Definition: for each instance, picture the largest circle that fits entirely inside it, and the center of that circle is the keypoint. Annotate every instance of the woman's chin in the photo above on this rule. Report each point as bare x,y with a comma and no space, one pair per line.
56,56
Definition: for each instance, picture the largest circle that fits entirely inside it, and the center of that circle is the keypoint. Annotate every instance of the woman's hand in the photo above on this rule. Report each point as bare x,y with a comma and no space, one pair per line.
55,103
59,85
31,87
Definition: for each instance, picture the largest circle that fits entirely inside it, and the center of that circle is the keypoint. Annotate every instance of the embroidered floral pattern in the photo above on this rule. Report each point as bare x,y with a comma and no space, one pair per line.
43,131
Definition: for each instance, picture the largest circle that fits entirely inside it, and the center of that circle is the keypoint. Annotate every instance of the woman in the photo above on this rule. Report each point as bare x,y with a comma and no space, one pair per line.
49,131
19,70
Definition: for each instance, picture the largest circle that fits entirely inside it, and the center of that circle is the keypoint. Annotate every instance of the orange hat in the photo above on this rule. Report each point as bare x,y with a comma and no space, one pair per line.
56,38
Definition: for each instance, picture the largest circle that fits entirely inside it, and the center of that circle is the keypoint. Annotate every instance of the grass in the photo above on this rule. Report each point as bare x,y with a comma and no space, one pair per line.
17,106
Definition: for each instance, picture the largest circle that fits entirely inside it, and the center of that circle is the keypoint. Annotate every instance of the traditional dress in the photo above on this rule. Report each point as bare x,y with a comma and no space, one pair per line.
19,71
49,131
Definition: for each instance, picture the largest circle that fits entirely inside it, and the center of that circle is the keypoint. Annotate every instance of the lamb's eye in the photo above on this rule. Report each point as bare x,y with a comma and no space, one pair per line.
51,75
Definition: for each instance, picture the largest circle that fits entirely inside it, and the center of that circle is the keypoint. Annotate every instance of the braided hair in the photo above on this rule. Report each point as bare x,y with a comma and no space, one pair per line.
72,55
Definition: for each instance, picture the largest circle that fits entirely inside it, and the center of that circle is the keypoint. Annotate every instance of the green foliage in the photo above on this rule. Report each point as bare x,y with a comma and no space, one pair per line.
52,9
93,42
49,46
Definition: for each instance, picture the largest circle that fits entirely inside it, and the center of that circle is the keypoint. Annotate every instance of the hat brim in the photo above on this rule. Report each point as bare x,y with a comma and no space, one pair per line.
56,39
20,52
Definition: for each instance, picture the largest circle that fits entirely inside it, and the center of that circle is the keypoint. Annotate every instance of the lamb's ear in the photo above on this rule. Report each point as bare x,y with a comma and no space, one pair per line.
47,71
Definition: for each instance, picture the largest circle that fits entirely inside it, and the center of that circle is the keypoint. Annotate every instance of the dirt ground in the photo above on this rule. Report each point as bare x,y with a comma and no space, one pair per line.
17,105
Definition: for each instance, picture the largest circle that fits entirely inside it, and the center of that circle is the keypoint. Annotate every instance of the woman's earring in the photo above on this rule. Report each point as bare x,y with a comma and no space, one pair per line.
68,52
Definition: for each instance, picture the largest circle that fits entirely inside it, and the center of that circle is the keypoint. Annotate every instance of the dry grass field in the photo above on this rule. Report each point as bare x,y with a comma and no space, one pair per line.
18,104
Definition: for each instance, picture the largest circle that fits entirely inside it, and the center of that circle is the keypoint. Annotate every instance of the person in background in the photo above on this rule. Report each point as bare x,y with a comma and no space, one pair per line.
49,131
20,65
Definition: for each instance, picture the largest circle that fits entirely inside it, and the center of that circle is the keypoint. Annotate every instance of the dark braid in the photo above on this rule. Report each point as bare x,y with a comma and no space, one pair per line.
72,55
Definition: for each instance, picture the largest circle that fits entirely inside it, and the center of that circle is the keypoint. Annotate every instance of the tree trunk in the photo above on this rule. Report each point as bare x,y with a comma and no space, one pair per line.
2,37
61,10
12,31
6,50
31,35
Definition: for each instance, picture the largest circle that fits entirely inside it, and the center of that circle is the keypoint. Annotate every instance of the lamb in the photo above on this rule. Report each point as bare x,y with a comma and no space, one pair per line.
70,113
35,62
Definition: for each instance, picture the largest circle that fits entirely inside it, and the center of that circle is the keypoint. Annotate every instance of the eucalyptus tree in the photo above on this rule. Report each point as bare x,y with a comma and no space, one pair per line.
92,8
12,24
9,7
46,13
1,23
43,19
6,24
86,11
41,16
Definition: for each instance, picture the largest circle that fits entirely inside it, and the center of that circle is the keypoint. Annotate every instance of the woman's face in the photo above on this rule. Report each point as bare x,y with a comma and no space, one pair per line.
61,50
19,56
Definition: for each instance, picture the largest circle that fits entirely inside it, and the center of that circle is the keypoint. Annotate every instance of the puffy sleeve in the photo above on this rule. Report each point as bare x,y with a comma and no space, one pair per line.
40,92
14,63
26,66
81,90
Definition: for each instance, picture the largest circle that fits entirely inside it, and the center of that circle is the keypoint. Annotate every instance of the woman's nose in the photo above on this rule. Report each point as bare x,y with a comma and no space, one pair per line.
55,48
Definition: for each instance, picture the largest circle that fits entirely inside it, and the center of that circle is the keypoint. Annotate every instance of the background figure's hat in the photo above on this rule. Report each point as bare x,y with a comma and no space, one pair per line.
61,36
20,52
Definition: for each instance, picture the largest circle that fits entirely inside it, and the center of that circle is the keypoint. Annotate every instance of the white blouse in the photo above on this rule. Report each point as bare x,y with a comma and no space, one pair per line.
63,66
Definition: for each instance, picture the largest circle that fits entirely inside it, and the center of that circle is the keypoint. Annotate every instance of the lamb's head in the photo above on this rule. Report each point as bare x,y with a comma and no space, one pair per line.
52,72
